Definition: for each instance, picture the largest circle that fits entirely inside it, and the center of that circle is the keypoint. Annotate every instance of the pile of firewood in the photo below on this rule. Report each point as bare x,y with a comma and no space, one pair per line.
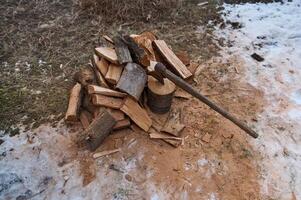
114,90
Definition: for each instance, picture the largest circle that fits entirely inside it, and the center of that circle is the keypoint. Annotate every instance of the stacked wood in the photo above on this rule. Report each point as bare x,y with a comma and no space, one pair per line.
109,93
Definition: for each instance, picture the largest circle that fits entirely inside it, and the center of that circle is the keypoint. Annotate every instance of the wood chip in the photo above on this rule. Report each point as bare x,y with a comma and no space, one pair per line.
105,153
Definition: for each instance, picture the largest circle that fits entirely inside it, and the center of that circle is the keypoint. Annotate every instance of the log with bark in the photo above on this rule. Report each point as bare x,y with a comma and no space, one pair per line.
159,96
94,89
99,129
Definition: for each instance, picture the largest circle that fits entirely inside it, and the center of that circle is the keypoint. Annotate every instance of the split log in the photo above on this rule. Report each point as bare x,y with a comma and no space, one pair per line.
138,54
85,118
110,102
99,77
159,96
132,80
102,65
114,73
87,104
173,124
122,51
144,42
74,103
176,64
107,53
136,113
94,89
122,124
99,129
117,114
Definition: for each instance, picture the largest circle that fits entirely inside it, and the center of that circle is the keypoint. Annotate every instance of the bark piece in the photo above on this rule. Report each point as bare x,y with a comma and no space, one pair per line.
138,54
99,129
85,118
176,64
159,96
122,51
74,103
99,77
105,153
114,73
136,113
132,80
107,53
173,124
110,102
94,89
122,124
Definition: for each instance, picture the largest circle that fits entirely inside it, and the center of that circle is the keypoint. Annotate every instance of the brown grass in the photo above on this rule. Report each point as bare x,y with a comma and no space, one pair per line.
132,10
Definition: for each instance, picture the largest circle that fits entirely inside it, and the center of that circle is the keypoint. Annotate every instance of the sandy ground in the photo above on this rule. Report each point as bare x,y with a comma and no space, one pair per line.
46,163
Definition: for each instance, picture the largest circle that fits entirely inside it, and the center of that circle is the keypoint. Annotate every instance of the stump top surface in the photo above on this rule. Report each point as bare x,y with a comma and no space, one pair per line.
161,89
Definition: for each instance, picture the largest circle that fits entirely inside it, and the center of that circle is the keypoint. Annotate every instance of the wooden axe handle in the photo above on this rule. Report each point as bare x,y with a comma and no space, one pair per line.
160,68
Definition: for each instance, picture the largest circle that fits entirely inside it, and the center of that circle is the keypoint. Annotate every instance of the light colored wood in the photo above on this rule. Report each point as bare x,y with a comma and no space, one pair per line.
85,118
107,53
122,124
117,114
102,65
180,93
105,153
184,57
74,103
173,124
114,73
172,59
155,135
94,89
109,102
99,77
161,89
136,113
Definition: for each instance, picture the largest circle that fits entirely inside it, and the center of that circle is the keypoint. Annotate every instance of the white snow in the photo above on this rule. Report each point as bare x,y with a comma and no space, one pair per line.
273,31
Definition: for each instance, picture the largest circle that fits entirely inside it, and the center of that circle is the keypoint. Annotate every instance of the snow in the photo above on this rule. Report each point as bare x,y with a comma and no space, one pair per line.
273,31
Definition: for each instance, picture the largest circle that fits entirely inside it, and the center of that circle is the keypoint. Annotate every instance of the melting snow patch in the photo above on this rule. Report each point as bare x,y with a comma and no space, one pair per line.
273,31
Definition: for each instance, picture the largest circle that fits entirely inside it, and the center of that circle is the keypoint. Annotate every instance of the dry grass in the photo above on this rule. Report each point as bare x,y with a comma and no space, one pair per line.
132,10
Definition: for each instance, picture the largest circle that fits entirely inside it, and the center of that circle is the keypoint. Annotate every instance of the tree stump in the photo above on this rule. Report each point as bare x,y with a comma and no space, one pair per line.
159,96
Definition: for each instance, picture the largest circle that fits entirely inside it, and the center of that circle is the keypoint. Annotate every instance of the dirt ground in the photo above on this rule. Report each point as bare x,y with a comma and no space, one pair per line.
45,42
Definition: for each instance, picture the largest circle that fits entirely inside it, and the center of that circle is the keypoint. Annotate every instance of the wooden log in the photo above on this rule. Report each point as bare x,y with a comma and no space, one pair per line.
176,64
159,96
125,123
102,64
94,89
99,77
99,129
87,104
117,114
114,73
109,102
107,53
74,103
138,54
122,51
85,76
144,42
132,80
139,115
85,118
